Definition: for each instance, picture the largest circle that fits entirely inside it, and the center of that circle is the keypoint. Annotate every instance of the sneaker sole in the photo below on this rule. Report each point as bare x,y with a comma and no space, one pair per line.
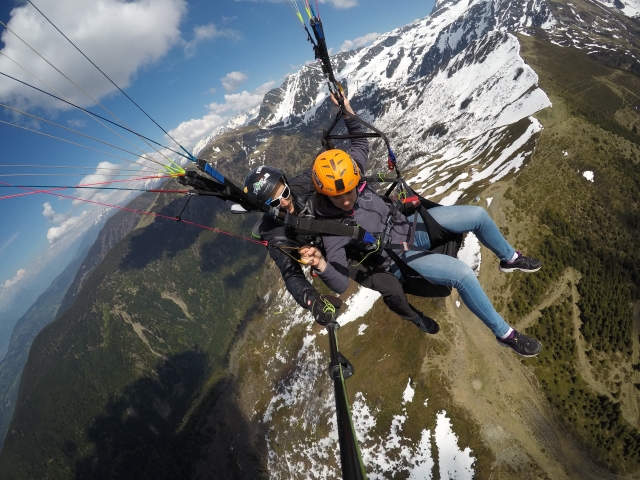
518,353
509,270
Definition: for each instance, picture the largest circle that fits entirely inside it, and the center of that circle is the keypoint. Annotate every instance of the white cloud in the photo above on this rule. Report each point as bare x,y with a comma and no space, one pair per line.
232,80
12,281
56,233
341,3
189,132
93,202
335,3
120,37
208,32
358,42
77,123
51,215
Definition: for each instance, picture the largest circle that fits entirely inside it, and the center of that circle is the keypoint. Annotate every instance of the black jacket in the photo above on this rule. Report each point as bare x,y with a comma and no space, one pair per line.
282,243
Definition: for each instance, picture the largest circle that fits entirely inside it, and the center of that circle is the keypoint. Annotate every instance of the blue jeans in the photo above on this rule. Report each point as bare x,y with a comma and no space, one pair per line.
445,270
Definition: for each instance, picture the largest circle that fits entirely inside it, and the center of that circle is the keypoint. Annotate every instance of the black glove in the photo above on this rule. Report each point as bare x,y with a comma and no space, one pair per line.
323,307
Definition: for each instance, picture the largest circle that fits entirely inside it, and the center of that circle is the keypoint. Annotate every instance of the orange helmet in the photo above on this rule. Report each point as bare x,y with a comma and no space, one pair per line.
335,173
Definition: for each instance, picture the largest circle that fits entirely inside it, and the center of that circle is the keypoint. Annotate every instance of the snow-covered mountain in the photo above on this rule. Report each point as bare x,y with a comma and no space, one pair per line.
239,120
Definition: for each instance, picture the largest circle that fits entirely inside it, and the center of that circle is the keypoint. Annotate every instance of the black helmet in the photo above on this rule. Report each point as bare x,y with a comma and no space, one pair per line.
260,182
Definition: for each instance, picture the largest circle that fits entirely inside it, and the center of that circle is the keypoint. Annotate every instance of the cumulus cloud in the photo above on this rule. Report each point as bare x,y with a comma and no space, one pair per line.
20,274
56,233
358,42
94,203
232,80
120,37
208,32
51,215
188,133
77,123
335,3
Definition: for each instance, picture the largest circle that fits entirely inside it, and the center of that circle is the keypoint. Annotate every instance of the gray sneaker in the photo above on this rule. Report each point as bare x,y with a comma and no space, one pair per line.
524,346
426,324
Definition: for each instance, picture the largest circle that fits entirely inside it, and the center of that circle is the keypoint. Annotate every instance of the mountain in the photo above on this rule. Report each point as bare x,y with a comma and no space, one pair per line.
183,356
58,298
42,312
239,120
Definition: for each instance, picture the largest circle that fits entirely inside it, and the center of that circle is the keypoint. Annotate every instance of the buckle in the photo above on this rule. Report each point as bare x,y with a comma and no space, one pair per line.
405,246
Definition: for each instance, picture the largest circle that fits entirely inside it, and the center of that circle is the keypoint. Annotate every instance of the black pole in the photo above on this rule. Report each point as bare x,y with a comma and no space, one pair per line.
340,369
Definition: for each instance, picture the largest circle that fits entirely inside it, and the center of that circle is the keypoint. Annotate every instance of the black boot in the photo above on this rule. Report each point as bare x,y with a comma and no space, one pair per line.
426,324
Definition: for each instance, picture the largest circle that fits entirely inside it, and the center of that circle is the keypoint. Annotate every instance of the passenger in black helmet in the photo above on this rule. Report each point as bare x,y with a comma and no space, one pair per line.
269,186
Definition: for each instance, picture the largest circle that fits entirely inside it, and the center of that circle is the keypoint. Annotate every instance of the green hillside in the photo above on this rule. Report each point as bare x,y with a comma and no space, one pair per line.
593,230
107,384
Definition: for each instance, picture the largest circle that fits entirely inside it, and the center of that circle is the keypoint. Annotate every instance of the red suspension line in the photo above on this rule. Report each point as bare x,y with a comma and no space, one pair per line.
142,212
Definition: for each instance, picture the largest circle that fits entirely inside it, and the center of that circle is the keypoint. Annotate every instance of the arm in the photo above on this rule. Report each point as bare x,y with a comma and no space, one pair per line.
294,279
359,150
333,270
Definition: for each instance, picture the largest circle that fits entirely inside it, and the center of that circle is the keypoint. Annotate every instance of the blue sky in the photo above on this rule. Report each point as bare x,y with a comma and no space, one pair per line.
191,64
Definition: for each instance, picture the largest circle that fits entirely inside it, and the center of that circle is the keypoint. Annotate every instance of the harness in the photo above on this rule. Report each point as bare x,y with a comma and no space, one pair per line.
443,241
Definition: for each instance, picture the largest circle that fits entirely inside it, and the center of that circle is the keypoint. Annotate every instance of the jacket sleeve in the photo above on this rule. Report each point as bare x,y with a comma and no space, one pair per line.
294,279
359,150
336,274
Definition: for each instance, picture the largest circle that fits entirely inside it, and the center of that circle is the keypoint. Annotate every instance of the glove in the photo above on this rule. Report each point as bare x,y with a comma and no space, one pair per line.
324,307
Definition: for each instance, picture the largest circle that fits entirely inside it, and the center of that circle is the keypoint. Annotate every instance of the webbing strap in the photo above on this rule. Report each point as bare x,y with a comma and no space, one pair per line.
311,226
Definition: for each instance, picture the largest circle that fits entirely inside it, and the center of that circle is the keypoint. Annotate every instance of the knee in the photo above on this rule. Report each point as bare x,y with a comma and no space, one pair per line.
479,214
464,276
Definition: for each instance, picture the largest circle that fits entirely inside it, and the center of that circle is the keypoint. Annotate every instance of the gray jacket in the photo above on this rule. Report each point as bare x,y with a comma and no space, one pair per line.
370,212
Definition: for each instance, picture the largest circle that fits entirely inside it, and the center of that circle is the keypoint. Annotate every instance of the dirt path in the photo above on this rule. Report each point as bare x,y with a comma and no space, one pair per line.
566,282
551,297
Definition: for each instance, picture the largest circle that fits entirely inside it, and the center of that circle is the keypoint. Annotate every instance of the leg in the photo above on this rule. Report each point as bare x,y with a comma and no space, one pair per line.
449,271
463,218
393,296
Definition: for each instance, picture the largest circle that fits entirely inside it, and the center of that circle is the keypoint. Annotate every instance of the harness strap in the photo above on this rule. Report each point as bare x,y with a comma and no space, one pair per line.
311,226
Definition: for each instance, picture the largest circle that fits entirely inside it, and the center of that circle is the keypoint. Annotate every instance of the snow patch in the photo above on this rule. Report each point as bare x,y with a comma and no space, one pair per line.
469,253
358,305
454,463
409,392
